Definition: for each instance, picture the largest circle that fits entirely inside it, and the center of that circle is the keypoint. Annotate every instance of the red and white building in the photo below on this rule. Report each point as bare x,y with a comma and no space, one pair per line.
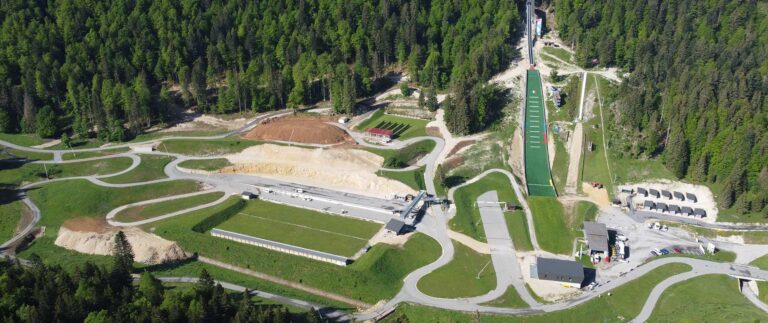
379,134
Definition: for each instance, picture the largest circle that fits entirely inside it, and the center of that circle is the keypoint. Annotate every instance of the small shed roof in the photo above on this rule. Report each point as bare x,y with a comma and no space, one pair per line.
654,192
649,204
679,195
379,131
395,225
642,191
567,271
674,208
661,206
698,211
666,193
691,197
686,210
596,235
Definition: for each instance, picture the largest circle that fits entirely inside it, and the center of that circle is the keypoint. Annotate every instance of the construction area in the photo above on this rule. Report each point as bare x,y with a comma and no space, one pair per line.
306,129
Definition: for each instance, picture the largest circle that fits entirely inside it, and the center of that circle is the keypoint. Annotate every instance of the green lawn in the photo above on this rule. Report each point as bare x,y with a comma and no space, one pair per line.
459,278
467,219
206,147
709,298
60,201
560,53
510,299
719,256
404,128
762,263
414,178
206,164
28,154
151,168
518,228
143,212
22,139
750,237
300,227
624,303
549,220
376,275
16,173
404,157
10,214
89,154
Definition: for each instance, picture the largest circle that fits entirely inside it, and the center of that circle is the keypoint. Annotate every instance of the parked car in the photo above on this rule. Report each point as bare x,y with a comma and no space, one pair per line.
664,228
656,252
664,251
677,250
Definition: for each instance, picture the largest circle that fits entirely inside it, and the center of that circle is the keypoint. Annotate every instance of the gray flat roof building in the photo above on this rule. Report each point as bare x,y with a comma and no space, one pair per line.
395,225
642,191
661,207
666,194
654,193
686,210
649,205
566,271
699,212
691,197
679,196
674,209
596,235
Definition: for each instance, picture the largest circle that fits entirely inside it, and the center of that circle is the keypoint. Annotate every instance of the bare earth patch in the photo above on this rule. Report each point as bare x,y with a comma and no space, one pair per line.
302,129
94,236
598,195
346,170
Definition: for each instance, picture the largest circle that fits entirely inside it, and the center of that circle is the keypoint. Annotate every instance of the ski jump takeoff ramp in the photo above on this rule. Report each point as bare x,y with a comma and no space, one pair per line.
537,175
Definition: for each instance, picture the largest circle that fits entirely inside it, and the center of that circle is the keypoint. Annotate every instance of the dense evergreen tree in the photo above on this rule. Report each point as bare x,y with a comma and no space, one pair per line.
700,66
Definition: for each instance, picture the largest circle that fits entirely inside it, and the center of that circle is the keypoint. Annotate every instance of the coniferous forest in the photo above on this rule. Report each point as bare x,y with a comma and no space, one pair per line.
109,69
697,94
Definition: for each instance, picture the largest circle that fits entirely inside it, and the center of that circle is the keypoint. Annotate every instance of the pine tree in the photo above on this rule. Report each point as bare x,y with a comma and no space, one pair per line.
45,122
151,288
432,104
677,154
122,252
440,175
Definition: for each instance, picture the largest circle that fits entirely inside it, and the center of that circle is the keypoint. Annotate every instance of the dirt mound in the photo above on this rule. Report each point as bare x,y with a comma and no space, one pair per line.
348,170
301,129
94,236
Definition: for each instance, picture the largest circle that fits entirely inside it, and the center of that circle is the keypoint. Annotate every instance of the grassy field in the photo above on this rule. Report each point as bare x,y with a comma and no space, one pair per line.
560,53
719,256
560,165
762,263
10,214
550,225
151,168
750,237
89,154
709,298
623,303
510,299
414,178
467,219
376,275
459,278
206,147
309,229
28,154
404,128
206,164
60,201
143,212
21,139
404,157
16,173
518,228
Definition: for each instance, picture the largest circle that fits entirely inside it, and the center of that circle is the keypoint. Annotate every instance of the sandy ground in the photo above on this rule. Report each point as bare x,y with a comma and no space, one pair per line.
575,146
94,236
469,242
598,195
516,155
301,129
347,170
705,201
48,144
201,122
547,290
386,237
450,141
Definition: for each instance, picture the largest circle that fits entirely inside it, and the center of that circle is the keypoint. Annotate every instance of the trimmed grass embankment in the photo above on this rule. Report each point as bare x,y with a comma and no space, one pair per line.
89,154
624,302
468,221
304,228
206,147
143,212
557,226
17,172
405,157
150,168
206,164
376,275
404,128
414,178
469,274
31,155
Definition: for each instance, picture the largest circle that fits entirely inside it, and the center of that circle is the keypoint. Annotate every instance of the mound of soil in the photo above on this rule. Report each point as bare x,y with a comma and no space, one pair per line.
95,236
300,129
